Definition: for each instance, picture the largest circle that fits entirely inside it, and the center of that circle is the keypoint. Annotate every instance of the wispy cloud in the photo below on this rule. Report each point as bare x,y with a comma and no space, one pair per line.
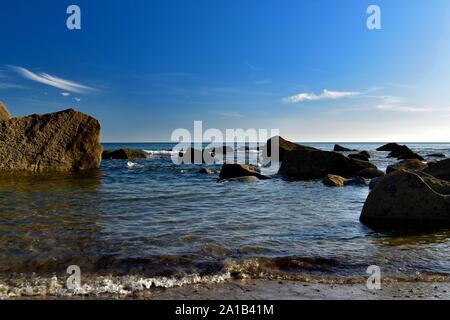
251,66
53,81
325,95
7,85
393,103
77,99
230,114
65,94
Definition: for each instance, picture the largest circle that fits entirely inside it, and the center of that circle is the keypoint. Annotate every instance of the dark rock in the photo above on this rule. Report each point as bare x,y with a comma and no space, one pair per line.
406,199
123,154
4,113
370,173
373,183
439,170
359,157
339,148
316,164
436,155
408,165
358,181
389,147
334,181
60,141
236,170
365,154
404,153
284,147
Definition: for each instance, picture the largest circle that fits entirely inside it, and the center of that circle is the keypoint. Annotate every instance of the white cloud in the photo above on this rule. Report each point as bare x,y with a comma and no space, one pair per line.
53,81
77,99
325,95
393,103
65,94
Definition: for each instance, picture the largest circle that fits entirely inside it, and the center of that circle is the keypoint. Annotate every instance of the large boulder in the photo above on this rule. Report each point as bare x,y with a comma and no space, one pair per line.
404,153
124,154
408,165
359,156
236,170
4,113
440,169
307,164
61,141
284,146
406,199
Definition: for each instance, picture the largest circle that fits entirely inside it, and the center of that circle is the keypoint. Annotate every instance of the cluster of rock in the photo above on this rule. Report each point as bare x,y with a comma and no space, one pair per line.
413,194
61,141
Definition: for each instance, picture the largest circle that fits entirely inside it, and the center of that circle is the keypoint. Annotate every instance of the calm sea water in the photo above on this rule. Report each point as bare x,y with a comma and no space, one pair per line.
156,218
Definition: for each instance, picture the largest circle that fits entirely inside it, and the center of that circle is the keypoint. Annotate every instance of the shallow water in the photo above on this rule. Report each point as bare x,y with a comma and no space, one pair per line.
161,219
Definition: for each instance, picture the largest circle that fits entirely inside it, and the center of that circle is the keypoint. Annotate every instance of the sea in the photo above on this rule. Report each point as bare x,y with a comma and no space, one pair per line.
151,223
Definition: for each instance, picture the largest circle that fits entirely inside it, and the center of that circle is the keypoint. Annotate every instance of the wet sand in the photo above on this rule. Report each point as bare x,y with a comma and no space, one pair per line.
293,290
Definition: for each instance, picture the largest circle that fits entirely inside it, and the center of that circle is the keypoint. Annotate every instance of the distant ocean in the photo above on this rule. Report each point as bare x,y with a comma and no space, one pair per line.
152,219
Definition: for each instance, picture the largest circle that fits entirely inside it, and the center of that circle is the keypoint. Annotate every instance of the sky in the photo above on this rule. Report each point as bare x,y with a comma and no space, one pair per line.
311,69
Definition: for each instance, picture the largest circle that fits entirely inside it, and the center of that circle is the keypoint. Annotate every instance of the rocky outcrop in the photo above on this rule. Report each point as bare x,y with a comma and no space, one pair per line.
61,141
439,170
284,147
406,199
389,147
339,148
310,164
124,154
4,113
236,170
404,153
408,165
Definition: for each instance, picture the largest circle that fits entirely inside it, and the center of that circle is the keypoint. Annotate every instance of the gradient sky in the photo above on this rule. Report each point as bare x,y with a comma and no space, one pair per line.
309,68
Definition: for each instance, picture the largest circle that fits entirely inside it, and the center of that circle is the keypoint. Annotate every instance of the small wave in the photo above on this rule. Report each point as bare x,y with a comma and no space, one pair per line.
161,152
132,165
99,285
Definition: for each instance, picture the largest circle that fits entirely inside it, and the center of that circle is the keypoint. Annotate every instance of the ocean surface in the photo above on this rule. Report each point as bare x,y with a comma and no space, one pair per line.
151,218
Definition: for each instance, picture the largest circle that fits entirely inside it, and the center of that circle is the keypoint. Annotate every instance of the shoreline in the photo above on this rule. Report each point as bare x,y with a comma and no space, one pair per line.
257,289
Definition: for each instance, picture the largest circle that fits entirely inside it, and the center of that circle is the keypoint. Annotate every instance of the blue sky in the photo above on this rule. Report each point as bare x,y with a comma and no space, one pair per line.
309,68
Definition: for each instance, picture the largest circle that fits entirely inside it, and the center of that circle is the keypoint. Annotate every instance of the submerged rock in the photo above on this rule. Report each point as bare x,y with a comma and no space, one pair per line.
61,141
439,170
123,154
236,170
339,148
310,164
4,112
409,165
436,155
408,199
